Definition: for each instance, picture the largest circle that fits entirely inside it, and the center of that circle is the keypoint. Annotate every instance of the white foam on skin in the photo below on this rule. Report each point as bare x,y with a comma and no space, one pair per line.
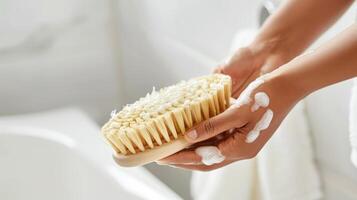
262,124
261,100
210,155
244,97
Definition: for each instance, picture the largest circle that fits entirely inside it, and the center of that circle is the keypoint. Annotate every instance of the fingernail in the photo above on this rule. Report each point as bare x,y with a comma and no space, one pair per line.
192,134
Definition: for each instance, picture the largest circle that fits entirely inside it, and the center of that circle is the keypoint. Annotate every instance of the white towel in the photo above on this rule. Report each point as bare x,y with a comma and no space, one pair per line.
353,123
284,169
353,119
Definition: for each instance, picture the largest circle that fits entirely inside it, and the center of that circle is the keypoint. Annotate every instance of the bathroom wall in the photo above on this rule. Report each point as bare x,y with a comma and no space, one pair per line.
58,53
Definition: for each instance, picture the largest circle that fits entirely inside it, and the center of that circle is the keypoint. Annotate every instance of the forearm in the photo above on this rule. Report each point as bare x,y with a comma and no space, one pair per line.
334,62
295,25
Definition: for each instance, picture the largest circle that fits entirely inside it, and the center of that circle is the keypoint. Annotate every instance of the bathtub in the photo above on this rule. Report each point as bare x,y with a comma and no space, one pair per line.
60,155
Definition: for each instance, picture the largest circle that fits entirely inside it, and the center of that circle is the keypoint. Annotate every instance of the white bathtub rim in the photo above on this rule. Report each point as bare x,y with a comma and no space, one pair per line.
100,158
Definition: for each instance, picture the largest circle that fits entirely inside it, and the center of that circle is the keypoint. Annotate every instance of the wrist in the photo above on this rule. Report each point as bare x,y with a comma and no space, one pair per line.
269,53
284,86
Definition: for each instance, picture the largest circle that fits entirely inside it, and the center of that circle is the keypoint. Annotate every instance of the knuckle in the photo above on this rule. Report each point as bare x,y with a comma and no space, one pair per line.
246,129
236,138
208,127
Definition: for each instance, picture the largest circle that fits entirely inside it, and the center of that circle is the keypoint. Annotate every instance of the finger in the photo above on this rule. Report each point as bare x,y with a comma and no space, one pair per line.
203,167
236,84
238,90
216,125
259,124
237,87
207,155
266,134
235,147
182,157
217,70
214,141
242,145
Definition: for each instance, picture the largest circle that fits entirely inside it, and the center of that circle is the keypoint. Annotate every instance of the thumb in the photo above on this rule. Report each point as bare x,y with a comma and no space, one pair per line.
207,129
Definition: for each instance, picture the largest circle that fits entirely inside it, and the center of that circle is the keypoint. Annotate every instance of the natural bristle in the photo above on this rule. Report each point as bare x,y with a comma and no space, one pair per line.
163,116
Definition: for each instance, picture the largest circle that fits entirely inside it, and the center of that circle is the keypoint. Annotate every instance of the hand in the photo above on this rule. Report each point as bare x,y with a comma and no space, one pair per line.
249,63
246,126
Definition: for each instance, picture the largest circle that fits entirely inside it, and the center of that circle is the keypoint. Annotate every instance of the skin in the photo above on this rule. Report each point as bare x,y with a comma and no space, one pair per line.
284,36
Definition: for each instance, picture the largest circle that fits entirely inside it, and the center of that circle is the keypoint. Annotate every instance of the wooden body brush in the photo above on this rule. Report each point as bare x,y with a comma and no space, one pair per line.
152,128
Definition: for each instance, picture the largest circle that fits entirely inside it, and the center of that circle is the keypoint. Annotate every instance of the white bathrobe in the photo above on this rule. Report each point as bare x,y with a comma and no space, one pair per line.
353,123
284,169
353,120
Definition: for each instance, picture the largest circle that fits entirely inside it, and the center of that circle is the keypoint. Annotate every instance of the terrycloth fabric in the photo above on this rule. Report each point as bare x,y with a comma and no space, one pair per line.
353,124
353,119
284,169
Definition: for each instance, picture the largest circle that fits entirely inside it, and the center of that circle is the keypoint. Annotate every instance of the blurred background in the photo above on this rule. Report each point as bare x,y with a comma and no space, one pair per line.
100,55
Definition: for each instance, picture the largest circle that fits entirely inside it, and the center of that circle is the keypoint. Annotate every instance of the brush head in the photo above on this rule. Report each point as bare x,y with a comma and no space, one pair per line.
152,128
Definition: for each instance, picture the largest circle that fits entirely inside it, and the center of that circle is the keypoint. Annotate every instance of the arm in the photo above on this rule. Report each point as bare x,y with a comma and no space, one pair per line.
288,32
247,127
295,25
334,62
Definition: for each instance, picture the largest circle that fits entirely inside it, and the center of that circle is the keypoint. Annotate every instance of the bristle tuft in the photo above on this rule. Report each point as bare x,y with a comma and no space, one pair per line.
163,115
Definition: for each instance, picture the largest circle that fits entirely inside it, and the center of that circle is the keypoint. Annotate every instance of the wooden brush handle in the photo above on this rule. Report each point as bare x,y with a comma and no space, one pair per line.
151,155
